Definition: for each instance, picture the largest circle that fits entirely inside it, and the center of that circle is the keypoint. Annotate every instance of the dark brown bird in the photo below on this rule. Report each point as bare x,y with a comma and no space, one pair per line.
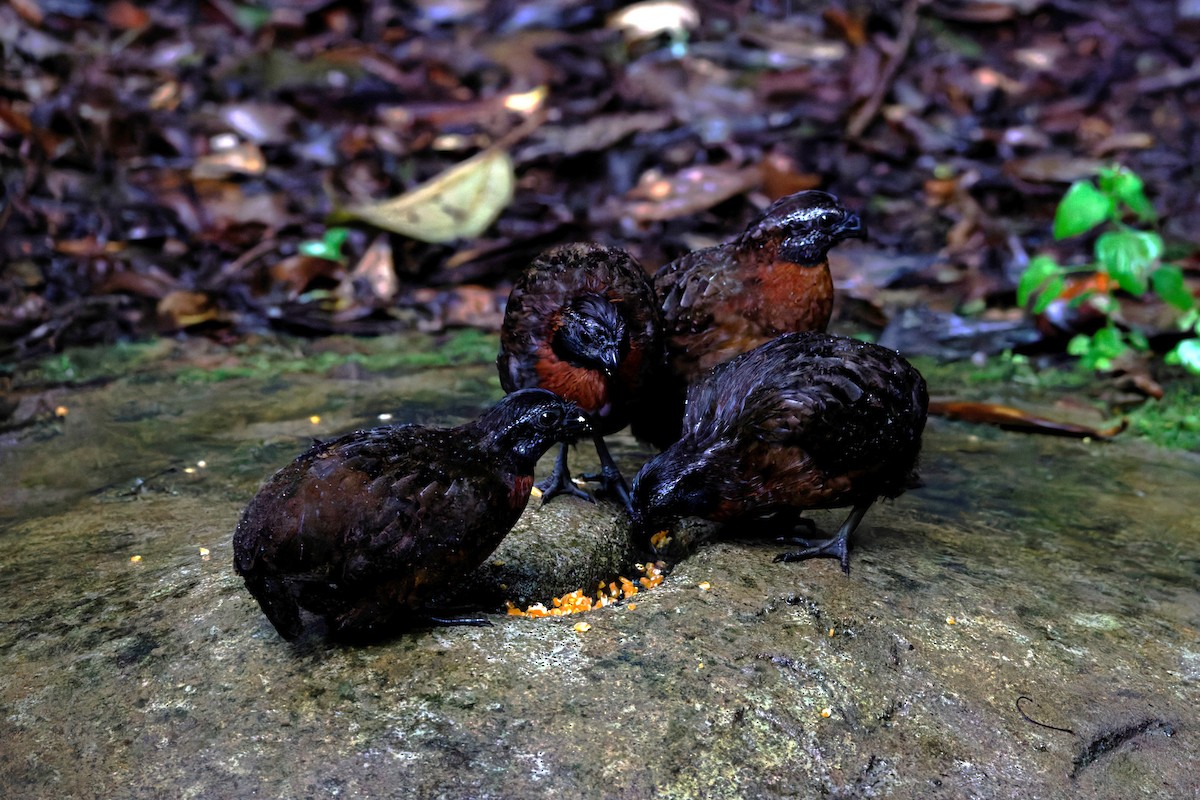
583,322
725,300
807,420
364,529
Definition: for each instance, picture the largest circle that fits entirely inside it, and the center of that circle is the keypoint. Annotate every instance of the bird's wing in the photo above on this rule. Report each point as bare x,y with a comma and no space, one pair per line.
843,411
836,401
529,317
690,286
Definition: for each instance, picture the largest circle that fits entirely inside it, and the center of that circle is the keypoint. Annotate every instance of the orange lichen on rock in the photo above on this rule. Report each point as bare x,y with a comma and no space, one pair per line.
606,594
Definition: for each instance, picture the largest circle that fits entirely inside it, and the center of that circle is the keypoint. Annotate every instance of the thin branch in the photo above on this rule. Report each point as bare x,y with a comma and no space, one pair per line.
867,112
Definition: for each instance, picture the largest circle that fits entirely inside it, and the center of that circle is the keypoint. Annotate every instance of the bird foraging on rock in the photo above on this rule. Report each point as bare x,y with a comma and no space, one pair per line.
806,421
364,529
583,322
725,300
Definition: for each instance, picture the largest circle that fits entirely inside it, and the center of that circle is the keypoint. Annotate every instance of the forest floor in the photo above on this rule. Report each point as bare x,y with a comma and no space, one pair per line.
208,170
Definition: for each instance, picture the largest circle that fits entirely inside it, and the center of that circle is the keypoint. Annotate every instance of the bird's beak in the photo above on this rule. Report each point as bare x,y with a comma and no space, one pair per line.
852,227
641,530
610,363
579,426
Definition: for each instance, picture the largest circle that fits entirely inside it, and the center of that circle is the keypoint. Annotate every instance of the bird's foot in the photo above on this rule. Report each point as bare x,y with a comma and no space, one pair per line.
834,547
610,478
558,484
610,483
560,481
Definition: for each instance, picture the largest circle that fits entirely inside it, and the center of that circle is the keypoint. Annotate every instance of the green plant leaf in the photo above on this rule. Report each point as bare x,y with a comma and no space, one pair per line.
1168,284
1127,187
1051,291
1082,208
1127,255
1109,341
1040,270
1080,345
328,246
1100,349
1187,354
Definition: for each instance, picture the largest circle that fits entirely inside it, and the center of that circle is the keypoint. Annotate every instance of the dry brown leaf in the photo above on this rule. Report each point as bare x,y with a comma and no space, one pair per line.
374,278
52,144
852,26
518,54
596,134
227,203
1015,419
29,11
183,309
1132,140
466,306
152,282
1053,168
90,247
780,177
459,203
242,159
298,271
126,16
691,190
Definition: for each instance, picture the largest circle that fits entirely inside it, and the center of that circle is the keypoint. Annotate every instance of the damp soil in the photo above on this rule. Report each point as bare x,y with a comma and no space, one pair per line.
1023,625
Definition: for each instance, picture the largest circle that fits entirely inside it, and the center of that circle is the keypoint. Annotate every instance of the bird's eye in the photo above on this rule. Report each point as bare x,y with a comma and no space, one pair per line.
549,418
829,218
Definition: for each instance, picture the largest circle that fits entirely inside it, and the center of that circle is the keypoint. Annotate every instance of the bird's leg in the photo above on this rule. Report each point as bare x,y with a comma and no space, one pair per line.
560,481
835,547
610,476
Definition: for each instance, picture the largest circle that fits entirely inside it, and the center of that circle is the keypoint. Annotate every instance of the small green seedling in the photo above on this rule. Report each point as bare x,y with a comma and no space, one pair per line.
328,247
1127,258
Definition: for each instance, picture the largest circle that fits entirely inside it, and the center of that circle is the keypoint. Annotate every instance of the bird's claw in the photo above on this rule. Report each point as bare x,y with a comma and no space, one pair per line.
820,548
554,486
612,483
559,481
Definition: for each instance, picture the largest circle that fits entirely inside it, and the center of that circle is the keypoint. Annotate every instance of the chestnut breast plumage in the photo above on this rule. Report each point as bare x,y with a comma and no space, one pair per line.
583,321
722,301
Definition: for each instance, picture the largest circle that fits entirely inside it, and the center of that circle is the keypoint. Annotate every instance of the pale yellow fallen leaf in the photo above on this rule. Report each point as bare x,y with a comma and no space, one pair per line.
459,203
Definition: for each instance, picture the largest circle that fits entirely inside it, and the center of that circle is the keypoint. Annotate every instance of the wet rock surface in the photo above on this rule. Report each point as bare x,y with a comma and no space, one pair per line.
1061,571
